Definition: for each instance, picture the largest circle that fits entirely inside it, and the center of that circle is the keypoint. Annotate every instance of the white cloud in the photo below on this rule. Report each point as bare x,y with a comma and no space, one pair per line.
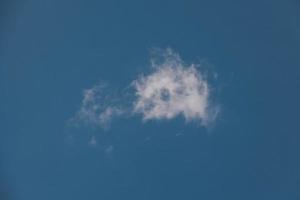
172,89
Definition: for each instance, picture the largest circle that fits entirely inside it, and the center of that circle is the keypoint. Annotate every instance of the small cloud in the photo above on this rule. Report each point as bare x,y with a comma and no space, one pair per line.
97,108
172,89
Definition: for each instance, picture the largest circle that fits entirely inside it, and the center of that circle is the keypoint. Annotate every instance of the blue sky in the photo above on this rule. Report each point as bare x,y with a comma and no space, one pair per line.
53,52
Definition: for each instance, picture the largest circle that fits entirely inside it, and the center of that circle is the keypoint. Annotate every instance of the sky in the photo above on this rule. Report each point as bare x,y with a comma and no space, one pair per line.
149,100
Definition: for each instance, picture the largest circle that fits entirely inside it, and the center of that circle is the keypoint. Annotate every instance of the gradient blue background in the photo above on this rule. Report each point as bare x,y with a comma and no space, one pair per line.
51,50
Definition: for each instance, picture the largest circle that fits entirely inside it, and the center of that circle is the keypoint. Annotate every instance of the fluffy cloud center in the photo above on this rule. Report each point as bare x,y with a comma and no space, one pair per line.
171,90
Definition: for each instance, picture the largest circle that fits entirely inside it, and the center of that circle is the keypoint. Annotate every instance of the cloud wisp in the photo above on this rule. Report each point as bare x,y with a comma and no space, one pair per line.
98,108
172,89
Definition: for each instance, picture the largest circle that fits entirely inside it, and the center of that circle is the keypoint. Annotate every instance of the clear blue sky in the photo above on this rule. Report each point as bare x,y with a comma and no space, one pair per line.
50,51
